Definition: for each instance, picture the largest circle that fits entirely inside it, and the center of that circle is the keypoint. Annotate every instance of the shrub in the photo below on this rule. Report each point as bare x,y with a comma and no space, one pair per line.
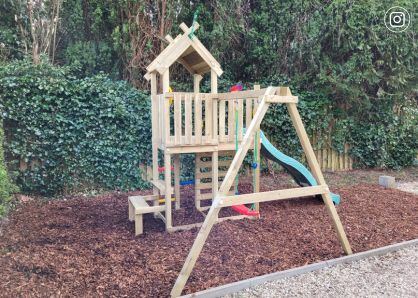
6,187
73,134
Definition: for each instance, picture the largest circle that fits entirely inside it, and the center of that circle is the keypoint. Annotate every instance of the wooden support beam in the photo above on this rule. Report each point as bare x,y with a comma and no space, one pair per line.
197,193
167,178
257,146
214,90
196,83
208,164
155,130
154,124
281,99
209,196
150,68
200,240
199,224
316,170
177,180
165,82
150,209
198,132
209,174
212,215
166,60
214,173
192,149
275,195
242,94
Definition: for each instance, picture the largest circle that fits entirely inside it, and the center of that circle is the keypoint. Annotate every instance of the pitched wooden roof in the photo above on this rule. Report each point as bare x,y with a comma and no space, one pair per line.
188,51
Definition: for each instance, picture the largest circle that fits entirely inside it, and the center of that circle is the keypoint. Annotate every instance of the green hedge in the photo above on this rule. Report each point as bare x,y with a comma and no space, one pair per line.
77,134
74,134
6,187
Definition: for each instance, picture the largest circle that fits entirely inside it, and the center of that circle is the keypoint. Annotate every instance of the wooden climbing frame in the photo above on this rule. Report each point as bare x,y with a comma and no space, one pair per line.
204,124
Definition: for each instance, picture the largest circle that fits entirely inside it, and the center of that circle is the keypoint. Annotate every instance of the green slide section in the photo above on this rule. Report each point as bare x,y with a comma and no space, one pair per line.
298,171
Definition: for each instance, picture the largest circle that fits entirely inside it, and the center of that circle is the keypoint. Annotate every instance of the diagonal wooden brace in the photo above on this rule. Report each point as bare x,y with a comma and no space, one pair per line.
222,200
212,215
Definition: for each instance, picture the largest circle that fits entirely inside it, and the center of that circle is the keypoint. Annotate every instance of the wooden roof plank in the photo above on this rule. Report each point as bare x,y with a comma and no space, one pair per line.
165,59
178,49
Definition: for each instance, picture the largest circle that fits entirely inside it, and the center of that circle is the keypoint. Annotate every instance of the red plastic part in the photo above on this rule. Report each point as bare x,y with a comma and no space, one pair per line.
242,209
162,169
237,87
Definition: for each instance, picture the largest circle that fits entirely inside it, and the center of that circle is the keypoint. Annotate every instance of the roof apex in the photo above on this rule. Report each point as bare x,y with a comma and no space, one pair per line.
186,50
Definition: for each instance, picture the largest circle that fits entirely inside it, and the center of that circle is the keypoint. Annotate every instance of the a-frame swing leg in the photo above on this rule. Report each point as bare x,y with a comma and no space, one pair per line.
316,170
194,252
212,215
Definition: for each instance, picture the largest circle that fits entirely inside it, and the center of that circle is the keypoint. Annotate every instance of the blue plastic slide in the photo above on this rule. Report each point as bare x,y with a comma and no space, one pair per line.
298,171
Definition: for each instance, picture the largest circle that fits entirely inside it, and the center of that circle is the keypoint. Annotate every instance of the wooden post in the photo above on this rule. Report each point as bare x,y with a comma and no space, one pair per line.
167,155
197,182
215,173
256,171
155,136
167,178
177,168
313,164
154,117
198,131
196,83
166,107
214,90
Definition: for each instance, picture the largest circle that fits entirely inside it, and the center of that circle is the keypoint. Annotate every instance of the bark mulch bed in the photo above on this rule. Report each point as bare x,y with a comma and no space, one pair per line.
82,246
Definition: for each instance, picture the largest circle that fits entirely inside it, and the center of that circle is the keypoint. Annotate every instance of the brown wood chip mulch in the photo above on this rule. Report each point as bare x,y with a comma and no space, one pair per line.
86,247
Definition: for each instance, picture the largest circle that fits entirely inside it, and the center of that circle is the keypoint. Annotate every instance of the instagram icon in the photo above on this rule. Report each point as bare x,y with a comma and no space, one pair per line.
397,19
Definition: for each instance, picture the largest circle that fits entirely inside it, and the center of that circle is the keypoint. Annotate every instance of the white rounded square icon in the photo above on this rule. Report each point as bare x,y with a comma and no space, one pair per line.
397,19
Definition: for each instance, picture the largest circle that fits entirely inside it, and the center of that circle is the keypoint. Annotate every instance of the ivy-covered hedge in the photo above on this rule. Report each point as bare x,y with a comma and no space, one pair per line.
68,134
6,187
73,134
388,139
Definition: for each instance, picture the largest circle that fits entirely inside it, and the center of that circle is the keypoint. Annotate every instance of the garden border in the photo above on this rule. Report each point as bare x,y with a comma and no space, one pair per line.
251,282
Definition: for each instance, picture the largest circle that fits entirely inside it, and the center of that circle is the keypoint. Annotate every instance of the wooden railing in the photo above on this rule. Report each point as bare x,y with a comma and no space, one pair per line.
187,119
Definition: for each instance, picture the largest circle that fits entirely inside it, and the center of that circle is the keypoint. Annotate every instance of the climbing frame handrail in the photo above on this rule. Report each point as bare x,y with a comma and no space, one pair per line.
187,119
199,119
241,94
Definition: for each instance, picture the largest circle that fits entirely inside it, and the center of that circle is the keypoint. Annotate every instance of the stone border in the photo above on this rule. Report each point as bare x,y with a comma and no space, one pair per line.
251,282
